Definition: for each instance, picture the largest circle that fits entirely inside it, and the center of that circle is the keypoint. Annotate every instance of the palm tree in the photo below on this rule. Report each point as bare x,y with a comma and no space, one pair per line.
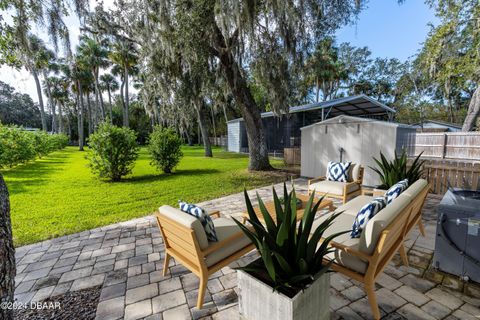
94,55
110,84
324,69
78,78
124,57
35,60
59,96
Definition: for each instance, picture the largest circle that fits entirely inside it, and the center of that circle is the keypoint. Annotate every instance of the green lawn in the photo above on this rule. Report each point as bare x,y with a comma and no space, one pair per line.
58,195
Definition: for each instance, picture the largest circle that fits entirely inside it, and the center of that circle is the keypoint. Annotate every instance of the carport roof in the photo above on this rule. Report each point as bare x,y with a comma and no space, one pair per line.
358,106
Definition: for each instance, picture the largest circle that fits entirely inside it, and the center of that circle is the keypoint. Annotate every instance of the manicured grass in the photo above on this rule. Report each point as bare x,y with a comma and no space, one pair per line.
58,195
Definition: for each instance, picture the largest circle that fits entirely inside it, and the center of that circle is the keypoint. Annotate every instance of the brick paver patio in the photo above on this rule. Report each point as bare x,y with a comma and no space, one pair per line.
125,259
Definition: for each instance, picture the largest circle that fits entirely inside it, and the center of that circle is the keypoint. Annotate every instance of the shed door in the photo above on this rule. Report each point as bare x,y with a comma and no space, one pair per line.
329,139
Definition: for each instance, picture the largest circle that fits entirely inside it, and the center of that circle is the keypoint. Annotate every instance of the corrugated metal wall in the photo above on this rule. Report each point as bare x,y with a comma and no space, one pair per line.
360,140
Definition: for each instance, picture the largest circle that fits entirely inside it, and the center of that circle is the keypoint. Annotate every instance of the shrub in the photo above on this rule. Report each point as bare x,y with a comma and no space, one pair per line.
16,146
57,141
41,143
291,256
113,151
19,146
390,172
165,148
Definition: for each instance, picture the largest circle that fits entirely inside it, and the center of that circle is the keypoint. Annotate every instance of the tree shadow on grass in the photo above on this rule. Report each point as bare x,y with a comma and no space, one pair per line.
168,176
33,173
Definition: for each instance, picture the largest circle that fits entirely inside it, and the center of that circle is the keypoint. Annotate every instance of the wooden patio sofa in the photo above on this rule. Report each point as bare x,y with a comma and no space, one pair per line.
186,241
364,258
339,190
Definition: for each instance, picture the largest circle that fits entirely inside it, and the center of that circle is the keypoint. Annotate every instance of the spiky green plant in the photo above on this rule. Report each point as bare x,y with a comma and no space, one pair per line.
390,172
290,258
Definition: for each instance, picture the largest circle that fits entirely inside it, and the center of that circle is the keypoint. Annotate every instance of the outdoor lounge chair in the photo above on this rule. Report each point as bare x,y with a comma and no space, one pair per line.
186,241
339,190
364,258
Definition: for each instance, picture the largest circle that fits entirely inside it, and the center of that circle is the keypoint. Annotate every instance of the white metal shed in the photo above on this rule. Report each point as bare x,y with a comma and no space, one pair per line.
346,138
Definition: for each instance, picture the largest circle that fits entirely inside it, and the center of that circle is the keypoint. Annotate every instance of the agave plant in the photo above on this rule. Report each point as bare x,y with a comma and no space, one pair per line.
290,255
391,172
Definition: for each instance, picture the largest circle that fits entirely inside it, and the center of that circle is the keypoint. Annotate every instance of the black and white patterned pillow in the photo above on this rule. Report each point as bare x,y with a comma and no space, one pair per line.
338,171
395,190
201,215
366,213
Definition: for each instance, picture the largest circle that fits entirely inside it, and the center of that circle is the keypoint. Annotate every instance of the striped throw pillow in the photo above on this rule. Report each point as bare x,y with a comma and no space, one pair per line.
366,213
201,215
395,190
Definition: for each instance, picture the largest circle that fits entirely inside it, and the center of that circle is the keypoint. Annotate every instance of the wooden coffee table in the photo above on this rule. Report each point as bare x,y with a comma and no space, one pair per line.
270,205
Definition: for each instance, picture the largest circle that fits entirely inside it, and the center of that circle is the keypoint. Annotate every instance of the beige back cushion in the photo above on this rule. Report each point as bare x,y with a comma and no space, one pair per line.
369,236
188,221
354,172
413,190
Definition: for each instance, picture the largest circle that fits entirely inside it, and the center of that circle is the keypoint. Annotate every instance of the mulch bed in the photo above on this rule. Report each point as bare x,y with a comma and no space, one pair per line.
80,304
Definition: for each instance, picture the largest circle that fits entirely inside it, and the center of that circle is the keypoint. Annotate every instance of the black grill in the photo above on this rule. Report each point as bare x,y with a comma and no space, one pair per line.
457,245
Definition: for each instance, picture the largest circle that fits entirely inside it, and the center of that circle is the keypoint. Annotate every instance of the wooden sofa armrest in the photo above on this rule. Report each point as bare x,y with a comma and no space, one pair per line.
215,213
220,244
351,251
347,184
310,181
379,192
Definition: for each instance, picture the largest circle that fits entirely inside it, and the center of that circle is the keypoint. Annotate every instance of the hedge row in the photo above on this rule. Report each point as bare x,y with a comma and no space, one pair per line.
19,146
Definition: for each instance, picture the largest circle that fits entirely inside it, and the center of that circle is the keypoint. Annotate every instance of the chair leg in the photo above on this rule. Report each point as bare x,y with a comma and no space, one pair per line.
165,264
403,254
372,299
421,227
201,290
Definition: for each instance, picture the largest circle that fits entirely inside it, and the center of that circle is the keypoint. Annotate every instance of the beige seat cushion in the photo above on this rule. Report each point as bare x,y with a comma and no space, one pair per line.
343,222
353,206
226,227
374,227
333,187
188,221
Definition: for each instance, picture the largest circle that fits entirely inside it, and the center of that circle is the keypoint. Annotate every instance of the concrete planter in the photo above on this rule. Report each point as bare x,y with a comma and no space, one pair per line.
258,301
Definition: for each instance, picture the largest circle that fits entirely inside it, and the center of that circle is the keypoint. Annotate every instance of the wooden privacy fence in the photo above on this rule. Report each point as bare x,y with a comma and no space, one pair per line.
451,145
291,156
443,174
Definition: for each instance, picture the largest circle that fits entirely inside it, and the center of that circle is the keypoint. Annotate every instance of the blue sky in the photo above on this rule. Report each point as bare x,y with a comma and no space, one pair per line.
389,29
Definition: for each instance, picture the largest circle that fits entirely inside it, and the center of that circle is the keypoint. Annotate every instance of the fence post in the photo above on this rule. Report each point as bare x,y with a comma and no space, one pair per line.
444,149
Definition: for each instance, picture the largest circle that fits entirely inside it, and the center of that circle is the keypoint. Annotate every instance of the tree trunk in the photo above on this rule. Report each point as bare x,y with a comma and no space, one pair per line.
89,114
189,139
80,108
7,254
451,112
203,129
257,142
110,104
225,113
125,106
122,99
60,117
54,116
213,124
51,103
98,95
40,99
473,111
